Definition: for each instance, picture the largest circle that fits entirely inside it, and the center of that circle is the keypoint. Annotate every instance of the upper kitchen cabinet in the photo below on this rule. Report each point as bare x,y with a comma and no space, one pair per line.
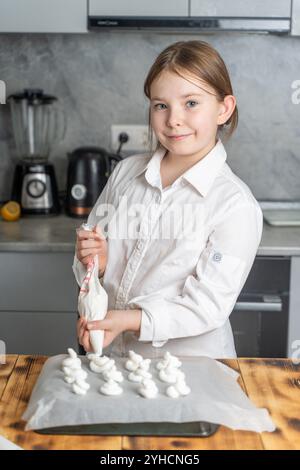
138,8
43,16
196,16
272,16
239,8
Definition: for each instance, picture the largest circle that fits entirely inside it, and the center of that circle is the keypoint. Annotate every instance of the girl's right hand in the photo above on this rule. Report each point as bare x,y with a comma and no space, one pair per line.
90,243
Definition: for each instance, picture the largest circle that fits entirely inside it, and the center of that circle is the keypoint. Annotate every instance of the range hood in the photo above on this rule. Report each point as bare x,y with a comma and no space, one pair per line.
191,16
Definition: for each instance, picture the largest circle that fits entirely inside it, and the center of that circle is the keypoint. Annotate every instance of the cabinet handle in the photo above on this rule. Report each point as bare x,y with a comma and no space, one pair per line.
267,306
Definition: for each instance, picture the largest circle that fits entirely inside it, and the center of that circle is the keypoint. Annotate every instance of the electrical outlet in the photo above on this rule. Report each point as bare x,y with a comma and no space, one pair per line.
137,137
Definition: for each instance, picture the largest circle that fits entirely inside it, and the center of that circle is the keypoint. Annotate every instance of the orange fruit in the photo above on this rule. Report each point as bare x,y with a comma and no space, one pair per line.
11,211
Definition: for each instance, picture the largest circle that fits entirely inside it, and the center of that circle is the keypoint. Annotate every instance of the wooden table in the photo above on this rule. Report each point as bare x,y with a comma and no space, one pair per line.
270,383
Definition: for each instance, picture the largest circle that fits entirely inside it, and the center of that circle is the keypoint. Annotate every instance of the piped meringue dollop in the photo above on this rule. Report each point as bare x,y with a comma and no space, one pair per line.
101,364
113,374
135,357
133,362
134,377
131,365
138,367
170,375
168,361
73,363
106,366
180,388
78,390
74,374
111,388
148,389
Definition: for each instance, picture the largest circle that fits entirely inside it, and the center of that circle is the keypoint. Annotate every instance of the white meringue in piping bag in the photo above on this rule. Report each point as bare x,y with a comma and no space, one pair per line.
93,301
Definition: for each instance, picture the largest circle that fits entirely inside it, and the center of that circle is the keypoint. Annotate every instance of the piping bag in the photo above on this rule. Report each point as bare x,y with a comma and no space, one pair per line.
93,300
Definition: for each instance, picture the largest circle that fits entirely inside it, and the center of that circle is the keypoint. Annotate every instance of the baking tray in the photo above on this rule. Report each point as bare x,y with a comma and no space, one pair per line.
191,429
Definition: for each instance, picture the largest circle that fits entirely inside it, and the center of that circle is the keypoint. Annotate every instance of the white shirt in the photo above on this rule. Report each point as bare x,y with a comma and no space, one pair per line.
186,288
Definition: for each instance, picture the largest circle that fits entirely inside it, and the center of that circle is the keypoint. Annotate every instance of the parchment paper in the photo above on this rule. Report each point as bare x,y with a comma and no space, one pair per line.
216,397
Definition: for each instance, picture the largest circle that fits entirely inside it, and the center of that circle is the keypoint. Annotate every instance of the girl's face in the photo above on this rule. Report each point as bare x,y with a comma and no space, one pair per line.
185,115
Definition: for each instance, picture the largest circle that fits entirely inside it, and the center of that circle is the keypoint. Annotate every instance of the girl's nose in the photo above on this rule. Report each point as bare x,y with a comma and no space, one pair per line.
174,119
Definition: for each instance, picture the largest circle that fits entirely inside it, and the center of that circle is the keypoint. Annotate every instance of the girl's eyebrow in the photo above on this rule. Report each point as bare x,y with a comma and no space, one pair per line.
182,96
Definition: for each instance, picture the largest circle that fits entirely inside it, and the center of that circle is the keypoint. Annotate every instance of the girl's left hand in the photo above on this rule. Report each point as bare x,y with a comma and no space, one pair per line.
114,323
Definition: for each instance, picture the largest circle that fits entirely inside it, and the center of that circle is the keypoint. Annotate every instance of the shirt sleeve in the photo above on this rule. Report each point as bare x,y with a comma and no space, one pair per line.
209,294
97,217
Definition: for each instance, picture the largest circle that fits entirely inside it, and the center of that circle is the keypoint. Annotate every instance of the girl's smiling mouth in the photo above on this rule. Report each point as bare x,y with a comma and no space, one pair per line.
178,137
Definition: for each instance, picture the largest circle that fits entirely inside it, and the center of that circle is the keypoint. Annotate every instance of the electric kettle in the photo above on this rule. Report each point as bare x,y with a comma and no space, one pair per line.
88,172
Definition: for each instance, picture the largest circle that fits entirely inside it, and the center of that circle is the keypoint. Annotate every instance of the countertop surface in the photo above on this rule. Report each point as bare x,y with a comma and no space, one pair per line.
270,383
57,233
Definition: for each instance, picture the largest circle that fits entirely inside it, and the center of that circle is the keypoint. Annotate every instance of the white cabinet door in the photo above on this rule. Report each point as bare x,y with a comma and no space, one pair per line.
37,282
233,8
46,333
43,16
138,8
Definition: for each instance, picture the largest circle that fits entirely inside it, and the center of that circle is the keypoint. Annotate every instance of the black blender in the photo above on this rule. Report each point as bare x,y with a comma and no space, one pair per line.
37,126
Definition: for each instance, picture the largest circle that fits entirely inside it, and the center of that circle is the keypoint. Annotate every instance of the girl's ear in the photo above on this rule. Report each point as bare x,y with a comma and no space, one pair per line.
226,109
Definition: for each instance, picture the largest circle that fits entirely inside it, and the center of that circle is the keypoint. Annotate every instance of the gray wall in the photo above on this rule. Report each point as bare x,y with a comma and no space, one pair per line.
99,81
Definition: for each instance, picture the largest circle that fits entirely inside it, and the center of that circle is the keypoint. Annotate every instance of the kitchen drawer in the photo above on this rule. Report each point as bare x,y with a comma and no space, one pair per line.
45,333
37,282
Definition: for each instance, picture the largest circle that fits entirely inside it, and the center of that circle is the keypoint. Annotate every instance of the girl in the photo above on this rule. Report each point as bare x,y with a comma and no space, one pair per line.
182,230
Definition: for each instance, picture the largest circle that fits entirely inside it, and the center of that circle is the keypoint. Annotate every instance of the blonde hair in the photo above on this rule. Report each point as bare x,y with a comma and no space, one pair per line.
196,59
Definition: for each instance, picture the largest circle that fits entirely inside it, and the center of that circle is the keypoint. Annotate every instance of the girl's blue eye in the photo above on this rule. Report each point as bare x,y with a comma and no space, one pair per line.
159,104
192,101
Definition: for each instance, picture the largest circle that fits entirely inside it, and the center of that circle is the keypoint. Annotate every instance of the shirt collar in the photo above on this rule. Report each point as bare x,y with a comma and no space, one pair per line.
201,175
152,168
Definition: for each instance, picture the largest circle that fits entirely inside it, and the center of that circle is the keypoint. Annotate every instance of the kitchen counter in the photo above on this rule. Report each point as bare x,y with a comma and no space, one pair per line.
41,234
57,234
270,383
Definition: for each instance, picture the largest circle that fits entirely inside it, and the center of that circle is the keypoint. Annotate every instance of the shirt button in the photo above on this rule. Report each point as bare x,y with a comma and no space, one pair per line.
217,257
